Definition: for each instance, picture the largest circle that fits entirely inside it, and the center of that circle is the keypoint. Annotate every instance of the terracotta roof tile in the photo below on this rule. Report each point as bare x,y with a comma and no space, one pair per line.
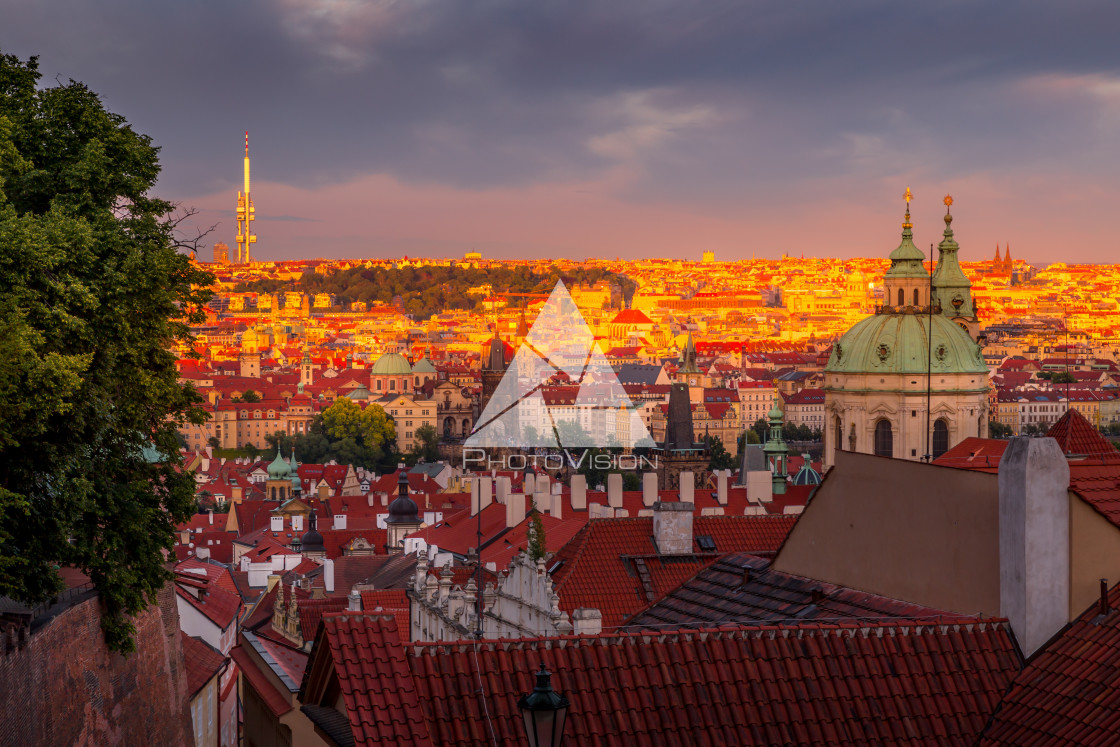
202,660
389,602
1069,694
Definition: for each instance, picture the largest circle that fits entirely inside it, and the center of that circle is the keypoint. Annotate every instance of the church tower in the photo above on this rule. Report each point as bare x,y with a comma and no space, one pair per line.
305,369
906,283
493,368
951,288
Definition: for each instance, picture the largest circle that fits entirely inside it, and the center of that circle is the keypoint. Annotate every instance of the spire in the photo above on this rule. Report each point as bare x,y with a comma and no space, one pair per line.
687,360
997,259
907,260
776,450
952,288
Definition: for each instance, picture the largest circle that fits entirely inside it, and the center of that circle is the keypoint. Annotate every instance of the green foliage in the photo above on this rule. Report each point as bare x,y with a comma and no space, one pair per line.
347,434
538,549
427,447
719,457
631,481
248,396
751,437
997,429
761,429
1062,377
430,290
92,292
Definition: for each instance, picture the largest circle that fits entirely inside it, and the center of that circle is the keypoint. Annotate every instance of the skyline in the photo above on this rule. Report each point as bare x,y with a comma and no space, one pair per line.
392,129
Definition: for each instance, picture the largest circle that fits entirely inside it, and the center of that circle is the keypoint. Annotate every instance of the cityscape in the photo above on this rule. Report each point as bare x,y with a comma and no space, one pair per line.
452,430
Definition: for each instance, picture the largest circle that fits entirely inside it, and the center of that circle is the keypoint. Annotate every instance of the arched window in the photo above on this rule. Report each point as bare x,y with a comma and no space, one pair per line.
915,296
940,437
839,434
852,438
901,297
884,439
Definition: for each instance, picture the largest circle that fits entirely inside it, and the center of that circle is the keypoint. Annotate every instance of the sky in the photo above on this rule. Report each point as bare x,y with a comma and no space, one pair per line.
619,128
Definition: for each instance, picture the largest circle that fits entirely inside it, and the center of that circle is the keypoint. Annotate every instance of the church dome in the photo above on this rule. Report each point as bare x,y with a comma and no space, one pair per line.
279,469
898,344
391,364
424,366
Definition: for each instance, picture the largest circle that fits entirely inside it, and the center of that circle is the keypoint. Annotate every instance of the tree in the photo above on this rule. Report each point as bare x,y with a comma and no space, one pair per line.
537,544
213,442
250,396
761,428
719,456
427,446
1062,377
997,429
93,291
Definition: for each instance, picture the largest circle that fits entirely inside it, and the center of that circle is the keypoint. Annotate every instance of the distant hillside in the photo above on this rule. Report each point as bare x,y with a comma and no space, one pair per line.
429,290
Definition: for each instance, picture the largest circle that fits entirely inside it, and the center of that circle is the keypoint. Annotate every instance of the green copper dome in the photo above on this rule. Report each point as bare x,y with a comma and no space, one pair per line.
424,366
279,469
897,344
391,364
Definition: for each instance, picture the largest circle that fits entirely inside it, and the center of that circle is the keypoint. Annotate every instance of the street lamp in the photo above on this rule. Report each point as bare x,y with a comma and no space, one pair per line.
545,712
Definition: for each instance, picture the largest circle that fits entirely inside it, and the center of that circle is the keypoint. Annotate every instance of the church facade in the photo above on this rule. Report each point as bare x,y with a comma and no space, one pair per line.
910,381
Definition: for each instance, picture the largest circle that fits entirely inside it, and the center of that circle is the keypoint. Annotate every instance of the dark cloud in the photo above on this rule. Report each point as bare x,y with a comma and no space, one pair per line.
707,103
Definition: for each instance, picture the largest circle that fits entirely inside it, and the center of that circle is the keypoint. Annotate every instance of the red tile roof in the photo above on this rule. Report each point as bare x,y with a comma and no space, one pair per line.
876,683
312,610
219,607
613,565
1069,693
203,662
389,602
378,689
1076,435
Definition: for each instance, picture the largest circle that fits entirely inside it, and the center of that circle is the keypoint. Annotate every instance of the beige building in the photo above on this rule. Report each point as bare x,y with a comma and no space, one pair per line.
409,413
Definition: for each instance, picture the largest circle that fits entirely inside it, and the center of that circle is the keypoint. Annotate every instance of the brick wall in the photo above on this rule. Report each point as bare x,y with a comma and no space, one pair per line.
63,686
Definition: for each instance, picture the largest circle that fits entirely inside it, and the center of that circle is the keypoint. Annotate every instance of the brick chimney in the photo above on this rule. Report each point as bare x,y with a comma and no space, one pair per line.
672,527
1034,549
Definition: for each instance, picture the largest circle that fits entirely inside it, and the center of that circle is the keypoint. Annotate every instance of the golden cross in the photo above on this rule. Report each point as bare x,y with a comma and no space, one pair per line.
948,200
908,196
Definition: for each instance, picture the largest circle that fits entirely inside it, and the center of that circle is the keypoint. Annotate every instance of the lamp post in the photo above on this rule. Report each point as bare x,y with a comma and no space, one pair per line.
545,712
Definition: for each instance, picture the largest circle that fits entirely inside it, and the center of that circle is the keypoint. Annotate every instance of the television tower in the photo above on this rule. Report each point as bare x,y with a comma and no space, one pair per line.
245,215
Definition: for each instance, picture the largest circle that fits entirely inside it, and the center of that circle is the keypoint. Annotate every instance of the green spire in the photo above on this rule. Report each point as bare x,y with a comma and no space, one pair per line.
907,260
776,451
687,360
951,287
278,469
297,486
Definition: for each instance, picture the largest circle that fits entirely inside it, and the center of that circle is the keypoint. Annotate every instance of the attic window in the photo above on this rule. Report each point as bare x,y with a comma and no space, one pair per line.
706,543
555,566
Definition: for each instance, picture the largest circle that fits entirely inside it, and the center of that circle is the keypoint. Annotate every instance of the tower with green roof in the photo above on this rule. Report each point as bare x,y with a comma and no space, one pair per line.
776,451
952,290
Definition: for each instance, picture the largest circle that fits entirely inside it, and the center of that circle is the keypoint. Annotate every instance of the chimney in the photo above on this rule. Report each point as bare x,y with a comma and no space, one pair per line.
542,499
557,505
614,490
542,484
649,489
328,575
579,492
515,510
211,513
587,621
476,492
721,486
485,492
354,601
1105,606
672,527
340,521
688,487
529,485
369,500
501,489
1034,548
760,487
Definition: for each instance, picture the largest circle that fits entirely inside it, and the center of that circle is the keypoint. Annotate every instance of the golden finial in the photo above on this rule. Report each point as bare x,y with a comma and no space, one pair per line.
908,195
948,200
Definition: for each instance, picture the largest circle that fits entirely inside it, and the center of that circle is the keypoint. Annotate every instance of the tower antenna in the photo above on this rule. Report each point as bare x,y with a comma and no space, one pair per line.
246,214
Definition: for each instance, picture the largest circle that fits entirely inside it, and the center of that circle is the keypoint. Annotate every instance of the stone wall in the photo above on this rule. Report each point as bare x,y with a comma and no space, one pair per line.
62,685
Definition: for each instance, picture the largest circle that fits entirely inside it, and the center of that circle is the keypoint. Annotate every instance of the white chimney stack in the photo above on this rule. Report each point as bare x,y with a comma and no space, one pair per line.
587,621
614,490
688,487
485,492
530,482
501,489
672,527
721,486
211,512
1034,548
579,492
515,510
328,575
649,489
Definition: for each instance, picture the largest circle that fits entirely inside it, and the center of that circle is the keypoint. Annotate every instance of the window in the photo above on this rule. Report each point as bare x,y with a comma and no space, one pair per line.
915,296
901,297
392,385
884,439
